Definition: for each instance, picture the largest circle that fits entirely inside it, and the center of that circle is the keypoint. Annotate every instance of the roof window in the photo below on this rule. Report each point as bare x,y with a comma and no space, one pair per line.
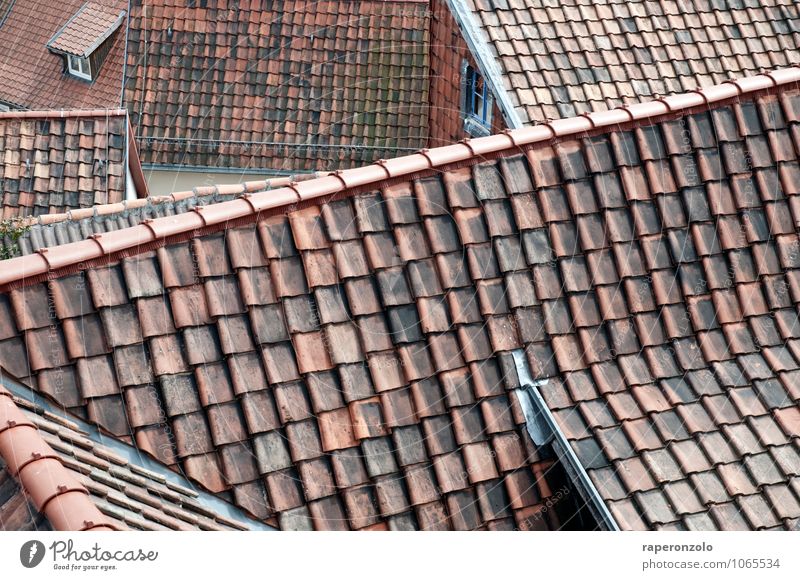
79,67
84,41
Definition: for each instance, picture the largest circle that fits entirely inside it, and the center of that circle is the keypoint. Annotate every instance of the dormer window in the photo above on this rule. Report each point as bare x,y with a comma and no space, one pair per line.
86,39
79,66
476,102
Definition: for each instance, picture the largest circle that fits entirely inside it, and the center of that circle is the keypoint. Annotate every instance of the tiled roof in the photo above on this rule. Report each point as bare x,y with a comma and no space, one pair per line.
48,230
33,77
338,352
5,8
16,510
73,480
87,29
302,85
55,161
561,59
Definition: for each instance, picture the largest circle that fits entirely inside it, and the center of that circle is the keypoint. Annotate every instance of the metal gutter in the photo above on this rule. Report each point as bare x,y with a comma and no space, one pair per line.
479,47
135,457
62,113
543,428
134,163
4,17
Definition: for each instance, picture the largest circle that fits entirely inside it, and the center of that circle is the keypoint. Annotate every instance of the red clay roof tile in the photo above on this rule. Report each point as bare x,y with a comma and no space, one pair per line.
34,78
645,350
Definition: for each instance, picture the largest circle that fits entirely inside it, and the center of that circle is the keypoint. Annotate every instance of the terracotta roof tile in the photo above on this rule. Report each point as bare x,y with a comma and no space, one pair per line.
681,373
35,78
294,98
151,499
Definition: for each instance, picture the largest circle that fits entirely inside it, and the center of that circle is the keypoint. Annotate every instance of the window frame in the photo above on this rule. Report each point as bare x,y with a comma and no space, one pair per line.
79,72
476,101
476,96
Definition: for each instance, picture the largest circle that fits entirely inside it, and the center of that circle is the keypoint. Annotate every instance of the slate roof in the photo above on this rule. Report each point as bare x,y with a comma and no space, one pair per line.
33,77
302,85
87,29
338,352
100,488
560,59
54,161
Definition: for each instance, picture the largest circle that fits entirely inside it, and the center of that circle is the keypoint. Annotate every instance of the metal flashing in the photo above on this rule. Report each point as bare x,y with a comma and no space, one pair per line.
542,425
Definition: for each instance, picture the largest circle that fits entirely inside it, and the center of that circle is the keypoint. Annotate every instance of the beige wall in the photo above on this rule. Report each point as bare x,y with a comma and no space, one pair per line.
164,182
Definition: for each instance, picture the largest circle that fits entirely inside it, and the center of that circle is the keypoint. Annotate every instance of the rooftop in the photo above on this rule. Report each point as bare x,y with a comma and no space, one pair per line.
58,473
338,353
561,59
54,229
54,161
33,77
87,29
306,85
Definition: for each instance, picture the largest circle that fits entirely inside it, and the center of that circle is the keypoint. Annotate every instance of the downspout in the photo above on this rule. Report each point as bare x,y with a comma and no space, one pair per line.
542,428
487,64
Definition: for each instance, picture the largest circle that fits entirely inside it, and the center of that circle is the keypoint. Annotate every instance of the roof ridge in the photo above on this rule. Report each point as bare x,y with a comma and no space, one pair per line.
53,490
150,233
62,113
109,209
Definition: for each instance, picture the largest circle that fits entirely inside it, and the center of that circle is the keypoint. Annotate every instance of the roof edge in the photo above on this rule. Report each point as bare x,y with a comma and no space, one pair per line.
224,511
97,42
49,263
135,161
63,113
109,209
63,27
54,491
106,35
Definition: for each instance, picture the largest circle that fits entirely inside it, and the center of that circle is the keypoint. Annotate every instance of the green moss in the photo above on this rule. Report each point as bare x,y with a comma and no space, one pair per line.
11,230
